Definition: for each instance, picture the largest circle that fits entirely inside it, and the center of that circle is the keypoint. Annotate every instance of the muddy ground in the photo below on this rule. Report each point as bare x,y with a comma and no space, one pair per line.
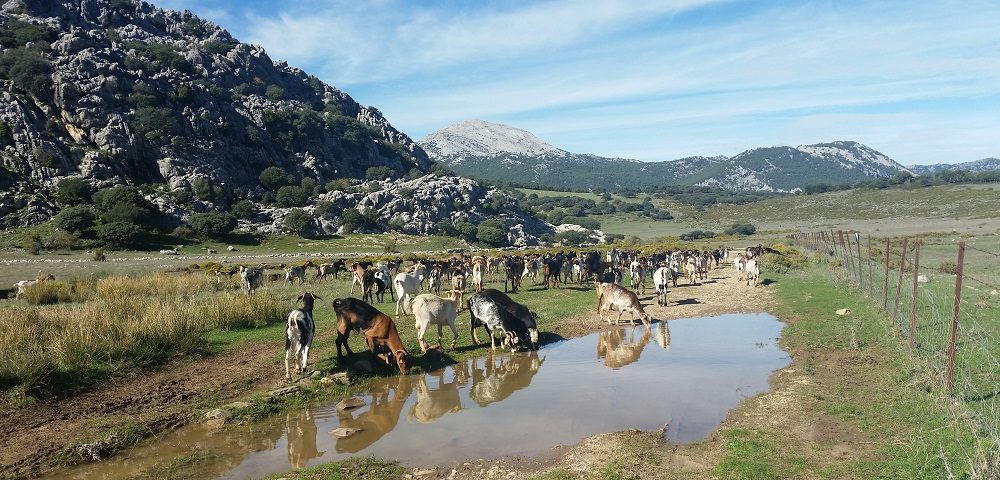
164,399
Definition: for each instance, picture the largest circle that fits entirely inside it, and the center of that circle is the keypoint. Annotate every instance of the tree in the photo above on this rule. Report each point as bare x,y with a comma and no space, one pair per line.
242,209
75,219
466,229
28,70
274,92
351,220
378,173
292,196
574,237
492,231
73,191
122,204
212,225
299,222
273,178
741,229
118,234
156,124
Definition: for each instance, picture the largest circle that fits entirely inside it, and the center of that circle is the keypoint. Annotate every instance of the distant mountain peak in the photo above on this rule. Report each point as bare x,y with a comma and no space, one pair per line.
481,138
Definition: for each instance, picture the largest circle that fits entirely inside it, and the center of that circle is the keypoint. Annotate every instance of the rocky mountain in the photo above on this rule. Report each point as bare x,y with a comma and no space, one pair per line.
499,153
121,92
983,165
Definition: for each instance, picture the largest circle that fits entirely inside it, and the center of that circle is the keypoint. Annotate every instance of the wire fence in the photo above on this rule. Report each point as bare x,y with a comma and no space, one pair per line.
941,297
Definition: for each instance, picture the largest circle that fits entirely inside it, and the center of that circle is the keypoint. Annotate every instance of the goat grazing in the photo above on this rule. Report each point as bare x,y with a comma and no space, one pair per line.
299,334
614,295
379,330
430,309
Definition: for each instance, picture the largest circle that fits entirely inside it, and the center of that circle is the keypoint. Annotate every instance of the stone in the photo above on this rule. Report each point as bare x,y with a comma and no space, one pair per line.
922,279
843,311
349,403
284,391
344,432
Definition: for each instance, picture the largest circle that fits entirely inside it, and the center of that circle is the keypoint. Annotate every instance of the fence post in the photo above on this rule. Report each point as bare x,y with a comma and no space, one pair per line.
913,298
861,275
954,315
885,288
899,282
871,291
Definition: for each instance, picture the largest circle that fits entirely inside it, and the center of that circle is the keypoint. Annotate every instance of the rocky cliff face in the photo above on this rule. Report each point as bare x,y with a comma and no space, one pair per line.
119,91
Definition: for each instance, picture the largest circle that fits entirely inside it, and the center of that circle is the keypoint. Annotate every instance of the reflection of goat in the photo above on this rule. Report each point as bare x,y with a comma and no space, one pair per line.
380,418
301,430
616,352
433,404
496,382
663,336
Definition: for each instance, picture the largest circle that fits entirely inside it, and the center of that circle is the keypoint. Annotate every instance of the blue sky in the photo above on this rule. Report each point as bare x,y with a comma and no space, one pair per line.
656,80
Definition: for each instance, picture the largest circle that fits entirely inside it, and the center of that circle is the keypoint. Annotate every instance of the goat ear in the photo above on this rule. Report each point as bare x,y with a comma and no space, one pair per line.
317,297
300,297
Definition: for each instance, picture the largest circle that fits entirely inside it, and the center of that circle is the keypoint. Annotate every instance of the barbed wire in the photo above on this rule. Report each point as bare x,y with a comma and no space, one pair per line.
974,279
970,247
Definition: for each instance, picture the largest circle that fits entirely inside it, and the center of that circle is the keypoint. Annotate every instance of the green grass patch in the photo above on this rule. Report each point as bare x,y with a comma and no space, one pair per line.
105,444
357,468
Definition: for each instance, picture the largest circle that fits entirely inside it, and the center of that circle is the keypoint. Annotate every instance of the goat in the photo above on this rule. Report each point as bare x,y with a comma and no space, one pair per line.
406,285
614,295
325,269
382,284
299,334
430,309
637,275
661,277
293,273
379,330
251,279
477,276
434,280
753,272
496,312
551,269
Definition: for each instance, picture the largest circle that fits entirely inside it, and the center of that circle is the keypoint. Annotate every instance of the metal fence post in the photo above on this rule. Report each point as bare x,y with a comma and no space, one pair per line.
885,288
913,297
954,316
899,282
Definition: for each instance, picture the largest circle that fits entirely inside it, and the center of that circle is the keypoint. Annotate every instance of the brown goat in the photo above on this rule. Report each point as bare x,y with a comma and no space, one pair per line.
379,330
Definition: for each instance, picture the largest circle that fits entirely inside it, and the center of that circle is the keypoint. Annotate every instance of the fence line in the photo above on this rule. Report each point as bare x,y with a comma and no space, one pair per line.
954,326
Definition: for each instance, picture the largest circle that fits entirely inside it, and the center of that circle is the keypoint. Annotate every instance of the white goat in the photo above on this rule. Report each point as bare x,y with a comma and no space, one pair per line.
430,309
753,272
293,273
661,277
407,285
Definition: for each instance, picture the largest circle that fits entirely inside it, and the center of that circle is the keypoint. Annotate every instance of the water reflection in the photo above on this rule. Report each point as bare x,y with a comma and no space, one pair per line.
431,404
379,418
502,375
300,427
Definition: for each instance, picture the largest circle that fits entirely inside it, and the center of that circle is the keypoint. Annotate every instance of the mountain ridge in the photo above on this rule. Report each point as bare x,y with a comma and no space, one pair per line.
779,168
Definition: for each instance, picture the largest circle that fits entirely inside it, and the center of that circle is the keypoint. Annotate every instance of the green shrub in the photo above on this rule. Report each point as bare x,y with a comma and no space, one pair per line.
274,92
741,229
697,234
338,184
118,235
242,209
299,222
217,47
378,173
273,178
28,70
212,225
73,191
351,220
50,292
493,232
292,196
18,34
156,124
75,219
948,267
573,237
122,204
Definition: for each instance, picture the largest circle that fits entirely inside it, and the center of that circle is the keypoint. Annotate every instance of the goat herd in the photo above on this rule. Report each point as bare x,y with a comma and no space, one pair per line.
505,320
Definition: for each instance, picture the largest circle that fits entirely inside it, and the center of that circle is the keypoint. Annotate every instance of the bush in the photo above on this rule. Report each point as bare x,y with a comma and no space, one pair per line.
242,209
28,70
378,173
74,219
323,207
47,293
493,232
948,267
338,184
299,222
73,191
122,204
696,234
741,229
573,237
98,255
274,92
351,220
118,234
292,196
183,231
274,178
466,230
156,124
212,225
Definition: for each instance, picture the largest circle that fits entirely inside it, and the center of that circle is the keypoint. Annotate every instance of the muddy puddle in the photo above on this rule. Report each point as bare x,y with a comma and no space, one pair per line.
687,374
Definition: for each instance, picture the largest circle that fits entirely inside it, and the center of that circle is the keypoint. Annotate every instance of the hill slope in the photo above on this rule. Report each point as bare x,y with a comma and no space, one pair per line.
121,92
983,165
501,153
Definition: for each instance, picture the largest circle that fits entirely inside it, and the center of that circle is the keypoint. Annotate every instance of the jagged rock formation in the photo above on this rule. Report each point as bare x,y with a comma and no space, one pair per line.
499,153
119,91
419,205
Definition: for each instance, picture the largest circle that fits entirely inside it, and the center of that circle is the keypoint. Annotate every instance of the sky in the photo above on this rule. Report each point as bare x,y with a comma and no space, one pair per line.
655,80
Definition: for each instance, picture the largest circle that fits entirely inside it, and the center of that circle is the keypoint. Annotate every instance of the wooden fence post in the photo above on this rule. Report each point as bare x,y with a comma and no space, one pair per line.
861,276
871,291
954,316
913,297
